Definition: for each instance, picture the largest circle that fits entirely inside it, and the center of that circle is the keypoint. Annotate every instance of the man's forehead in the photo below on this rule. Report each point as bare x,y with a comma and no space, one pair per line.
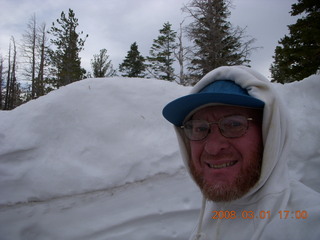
222,110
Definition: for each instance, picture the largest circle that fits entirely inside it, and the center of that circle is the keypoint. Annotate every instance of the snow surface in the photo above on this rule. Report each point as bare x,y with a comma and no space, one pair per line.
96,160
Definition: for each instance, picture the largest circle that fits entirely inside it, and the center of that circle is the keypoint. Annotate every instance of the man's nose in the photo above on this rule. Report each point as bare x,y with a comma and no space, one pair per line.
215,141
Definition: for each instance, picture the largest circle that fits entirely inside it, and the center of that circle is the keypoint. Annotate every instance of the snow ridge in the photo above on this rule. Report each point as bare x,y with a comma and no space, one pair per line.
96,160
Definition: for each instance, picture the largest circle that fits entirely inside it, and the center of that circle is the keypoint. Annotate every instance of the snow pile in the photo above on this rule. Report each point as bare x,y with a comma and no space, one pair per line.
91,135
96,160
303,101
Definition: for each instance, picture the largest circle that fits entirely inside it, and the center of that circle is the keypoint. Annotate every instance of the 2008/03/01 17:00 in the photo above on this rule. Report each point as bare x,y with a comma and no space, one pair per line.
285,214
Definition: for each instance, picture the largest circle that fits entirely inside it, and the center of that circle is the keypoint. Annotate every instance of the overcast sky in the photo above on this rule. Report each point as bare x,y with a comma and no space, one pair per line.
116,24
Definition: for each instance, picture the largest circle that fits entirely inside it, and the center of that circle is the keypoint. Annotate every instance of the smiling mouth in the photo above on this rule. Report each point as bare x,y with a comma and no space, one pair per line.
219,166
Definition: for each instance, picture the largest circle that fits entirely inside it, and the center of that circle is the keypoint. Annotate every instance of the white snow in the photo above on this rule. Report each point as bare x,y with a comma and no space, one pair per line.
96,160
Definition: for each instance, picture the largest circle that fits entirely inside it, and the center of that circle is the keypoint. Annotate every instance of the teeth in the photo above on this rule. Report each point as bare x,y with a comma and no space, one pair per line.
224,165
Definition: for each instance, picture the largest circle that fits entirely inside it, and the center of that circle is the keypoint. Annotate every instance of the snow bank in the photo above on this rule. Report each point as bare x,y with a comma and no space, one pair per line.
303,101
90,135
96,160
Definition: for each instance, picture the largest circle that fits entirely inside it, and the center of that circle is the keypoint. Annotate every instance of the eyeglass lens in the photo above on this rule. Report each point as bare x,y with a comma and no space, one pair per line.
231,127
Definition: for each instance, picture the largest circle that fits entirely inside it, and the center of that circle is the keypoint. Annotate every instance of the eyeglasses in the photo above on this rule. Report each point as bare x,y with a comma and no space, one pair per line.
231,127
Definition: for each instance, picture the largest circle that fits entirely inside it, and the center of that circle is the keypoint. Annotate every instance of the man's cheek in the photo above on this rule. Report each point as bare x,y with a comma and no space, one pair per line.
196,163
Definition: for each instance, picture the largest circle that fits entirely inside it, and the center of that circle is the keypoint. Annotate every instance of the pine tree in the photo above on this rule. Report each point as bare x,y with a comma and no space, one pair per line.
133,65
101,66
65,58
216,42
162,54
298,55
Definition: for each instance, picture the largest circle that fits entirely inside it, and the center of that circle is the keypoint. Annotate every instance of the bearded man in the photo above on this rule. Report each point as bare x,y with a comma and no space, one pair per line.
234,135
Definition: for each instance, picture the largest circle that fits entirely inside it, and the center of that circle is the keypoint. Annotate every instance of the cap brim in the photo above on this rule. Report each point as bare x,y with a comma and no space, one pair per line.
176,111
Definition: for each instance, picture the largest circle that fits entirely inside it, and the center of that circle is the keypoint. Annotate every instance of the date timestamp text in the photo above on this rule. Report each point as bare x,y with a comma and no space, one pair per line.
283,214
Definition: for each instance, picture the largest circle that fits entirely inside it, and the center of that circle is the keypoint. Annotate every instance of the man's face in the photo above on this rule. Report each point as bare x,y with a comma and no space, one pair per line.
226,168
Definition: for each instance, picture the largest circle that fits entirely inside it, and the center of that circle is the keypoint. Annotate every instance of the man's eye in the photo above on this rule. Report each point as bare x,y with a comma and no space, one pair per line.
200,129
233,124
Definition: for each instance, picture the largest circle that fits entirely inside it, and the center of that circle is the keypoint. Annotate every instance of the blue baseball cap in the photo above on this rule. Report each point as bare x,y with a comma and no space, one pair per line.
221,91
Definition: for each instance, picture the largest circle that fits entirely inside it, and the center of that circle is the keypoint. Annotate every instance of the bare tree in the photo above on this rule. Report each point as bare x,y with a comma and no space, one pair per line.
12,87
13,82
182,52
1,80
34,51
28,47
8,91
42,49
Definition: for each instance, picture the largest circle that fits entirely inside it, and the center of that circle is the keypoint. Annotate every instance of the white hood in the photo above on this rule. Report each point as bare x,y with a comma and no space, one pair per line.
272,192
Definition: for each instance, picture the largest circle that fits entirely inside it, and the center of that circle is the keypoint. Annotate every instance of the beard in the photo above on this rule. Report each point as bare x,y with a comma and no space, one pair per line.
241,184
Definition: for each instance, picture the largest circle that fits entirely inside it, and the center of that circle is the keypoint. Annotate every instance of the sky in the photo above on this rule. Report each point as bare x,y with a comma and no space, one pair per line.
116,24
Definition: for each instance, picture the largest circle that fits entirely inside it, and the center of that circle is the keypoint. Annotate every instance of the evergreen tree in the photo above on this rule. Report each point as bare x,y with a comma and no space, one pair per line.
65,58
299,54
162,54
133,65
216,42
101,66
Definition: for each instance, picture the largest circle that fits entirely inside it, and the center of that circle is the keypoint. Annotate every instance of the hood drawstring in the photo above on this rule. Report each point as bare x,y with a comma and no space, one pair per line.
199,234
